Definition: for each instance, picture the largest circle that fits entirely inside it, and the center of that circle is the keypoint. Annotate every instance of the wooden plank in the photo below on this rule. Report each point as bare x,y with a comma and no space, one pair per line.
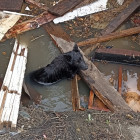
110,36
94,79
75,94
63,6
118,56
94,7
118,20
11,5
12,86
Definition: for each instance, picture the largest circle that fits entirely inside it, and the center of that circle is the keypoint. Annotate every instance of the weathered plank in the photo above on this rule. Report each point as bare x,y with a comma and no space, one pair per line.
12,85
110,36
118,20
93,77
11,5
118,55
63,6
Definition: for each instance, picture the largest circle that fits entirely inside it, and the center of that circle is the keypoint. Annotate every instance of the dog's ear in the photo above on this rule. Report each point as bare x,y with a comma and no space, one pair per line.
68,58
75,48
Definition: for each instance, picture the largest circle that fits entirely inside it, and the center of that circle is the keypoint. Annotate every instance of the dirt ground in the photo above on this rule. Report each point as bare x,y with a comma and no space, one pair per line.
36,124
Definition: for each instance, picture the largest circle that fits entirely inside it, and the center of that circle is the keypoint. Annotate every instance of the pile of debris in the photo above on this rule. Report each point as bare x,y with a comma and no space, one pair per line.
108,99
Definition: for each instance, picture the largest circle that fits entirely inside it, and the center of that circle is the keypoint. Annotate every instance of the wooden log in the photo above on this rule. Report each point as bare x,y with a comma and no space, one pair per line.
110,36
63,6
118,56
12,86
7,23
118,20
11,5
37,4
75,94
94,79
120,80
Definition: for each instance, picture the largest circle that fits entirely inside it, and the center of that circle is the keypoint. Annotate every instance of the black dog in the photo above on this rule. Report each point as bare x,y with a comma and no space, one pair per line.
64,66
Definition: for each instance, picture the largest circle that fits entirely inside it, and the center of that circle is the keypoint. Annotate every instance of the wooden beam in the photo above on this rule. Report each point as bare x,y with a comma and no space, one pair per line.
10,92
110,36
94,79
118,55
63,6
118,20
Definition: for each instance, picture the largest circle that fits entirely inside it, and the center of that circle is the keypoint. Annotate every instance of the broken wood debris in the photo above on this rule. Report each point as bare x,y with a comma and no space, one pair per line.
110,36
34,23
12,85
118,20
118,56
11,5
94,7
94,79
63,6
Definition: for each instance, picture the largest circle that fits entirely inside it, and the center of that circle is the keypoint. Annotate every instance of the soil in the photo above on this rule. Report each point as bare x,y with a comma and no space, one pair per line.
37,124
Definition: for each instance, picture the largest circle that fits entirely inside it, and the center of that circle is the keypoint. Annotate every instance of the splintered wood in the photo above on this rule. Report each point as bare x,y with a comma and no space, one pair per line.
12,85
